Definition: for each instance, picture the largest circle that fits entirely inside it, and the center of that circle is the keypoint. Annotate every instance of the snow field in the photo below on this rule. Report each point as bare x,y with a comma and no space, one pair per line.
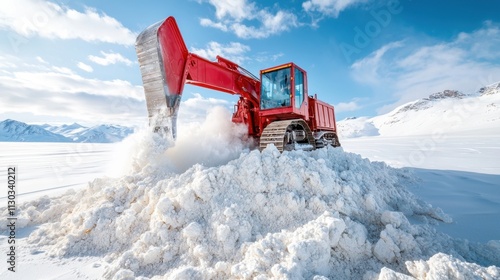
243,214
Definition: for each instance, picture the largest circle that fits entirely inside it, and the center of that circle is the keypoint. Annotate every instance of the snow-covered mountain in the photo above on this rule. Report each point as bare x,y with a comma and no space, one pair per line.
15,131
67,130
442,112
356,127
101,134
104,133
489,90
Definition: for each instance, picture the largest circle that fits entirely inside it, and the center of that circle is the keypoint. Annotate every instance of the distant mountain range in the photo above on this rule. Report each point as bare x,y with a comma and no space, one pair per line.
442,112
16,131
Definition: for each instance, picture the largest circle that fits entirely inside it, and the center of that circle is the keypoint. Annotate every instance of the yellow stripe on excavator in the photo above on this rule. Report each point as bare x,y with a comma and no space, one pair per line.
276,68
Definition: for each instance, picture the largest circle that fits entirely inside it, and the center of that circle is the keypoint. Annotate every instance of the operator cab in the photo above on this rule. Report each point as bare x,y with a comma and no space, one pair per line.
283,91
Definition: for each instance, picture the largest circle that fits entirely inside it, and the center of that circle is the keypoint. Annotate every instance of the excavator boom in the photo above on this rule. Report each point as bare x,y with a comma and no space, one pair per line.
166,65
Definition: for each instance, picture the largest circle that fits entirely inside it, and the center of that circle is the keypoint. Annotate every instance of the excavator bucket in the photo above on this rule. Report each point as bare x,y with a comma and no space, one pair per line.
162,56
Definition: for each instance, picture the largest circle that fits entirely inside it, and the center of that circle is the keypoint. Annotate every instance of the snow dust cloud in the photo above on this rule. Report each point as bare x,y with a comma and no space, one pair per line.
211,141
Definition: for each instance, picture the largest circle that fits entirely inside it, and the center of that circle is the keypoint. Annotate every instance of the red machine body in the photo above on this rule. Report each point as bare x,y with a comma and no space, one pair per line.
277,102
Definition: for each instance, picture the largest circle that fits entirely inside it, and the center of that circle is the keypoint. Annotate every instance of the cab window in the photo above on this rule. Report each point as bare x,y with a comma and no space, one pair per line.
299,88
275,89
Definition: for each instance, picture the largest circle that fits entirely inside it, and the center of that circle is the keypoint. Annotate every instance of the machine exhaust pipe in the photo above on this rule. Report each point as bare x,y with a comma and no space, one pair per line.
162,56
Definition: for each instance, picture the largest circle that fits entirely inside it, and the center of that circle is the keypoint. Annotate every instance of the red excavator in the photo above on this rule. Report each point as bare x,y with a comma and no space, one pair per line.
276,108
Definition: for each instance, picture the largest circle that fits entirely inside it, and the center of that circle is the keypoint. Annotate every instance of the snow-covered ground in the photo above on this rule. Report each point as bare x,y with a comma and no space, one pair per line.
451,142
240,213
53,168
459,173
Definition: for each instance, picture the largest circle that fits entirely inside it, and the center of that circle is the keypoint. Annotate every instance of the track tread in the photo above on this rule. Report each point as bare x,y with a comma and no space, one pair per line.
274,133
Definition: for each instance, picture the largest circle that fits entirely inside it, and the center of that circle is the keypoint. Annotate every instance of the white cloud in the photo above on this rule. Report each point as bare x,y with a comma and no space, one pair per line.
232,15
63,81
50,20
484,42
57,92
329,7
265,57
41,60
78,107
236,9
110,58
85,67
219,25
408,71
62,70
271,24
69,83
367,70
8,62
347,106
232,51
195,109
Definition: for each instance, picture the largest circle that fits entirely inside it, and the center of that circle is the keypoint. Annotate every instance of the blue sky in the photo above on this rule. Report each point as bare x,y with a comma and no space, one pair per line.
74,61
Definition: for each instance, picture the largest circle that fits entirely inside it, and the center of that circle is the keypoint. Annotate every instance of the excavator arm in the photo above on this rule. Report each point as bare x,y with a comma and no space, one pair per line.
167,65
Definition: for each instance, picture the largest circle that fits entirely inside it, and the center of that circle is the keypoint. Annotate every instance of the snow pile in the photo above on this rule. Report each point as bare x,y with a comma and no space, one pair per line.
442,266
320,214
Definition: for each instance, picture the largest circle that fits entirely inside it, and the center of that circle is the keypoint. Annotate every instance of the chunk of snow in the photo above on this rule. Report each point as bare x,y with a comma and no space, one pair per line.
443,266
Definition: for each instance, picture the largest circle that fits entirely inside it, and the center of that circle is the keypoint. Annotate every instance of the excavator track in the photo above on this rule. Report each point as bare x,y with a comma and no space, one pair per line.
277,133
